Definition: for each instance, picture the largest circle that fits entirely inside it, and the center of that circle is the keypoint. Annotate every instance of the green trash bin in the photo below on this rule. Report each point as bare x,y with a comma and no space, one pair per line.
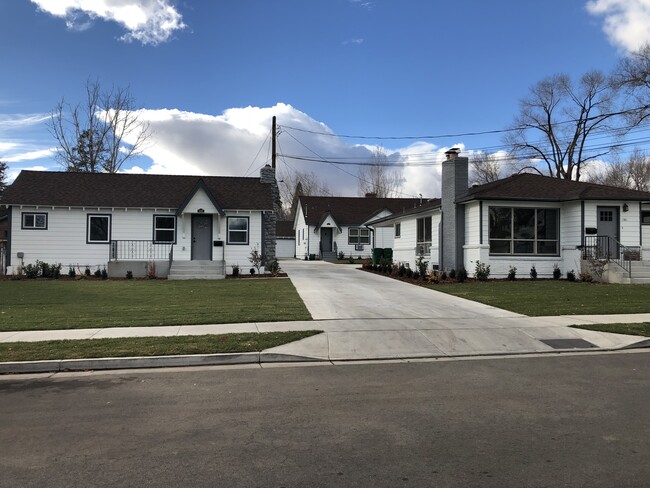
377,254
388,253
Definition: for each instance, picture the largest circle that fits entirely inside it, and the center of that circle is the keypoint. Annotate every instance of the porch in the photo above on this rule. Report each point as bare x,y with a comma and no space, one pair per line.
615,263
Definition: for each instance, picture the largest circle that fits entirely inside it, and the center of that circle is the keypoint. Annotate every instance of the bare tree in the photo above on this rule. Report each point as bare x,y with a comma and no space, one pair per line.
633,75
633,173
298,183
557,120
3,176
379,177
100,134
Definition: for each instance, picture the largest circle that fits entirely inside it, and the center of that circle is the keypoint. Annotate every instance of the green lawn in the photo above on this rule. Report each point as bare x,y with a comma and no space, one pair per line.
147,346
551,297
642,329
38,305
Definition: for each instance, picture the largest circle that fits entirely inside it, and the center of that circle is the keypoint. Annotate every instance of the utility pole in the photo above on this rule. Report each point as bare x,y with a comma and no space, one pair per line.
274,132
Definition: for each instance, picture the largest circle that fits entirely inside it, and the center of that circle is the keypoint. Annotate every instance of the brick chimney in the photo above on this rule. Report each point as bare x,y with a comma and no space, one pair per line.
455,179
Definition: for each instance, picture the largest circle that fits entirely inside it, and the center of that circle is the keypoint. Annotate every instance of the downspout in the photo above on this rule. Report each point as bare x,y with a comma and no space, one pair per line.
373,235
9,225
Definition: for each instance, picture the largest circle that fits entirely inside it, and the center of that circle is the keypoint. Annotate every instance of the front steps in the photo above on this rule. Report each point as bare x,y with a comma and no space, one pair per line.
640,273
329,256
197,270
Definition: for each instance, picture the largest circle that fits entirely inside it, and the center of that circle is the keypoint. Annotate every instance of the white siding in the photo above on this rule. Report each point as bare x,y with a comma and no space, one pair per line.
404,246
302,234
238,254
473,250
645,236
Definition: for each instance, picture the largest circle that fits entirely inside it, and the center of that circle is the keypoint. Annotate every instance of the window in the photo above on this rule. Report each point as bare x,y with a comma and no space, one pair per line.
98,229
237,230
398,230
645,217
164,228
358,235
524,230
423,240
606,216
34,221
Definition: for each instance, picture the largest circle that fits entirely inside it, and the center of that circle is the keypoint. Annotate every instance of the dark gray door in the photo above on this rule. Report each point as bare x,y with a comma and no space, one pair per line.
201,237
326,239
608,228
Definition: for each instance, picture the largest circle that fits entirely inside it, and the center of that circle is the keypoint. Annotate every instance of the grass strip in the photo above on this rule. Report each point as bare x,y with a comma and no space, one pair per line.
148,346
58,304
640,329
549,297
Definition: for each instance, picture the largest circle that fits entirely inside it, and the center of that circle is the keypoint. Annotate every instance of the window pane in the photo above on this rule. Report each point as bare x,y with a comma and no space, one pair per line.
398,230
364,232
237,237
499,247
235,223
28,220
547,247
524,247
500,223
353,231
164,235
524,223
40,221
547,223
364,240
165,222
645,217
98,229
427,230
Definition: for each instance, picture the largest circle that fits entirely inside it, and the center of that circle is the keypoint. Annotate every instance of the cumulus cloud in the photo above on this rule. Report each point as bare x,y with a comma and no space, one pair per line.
147,21
626,22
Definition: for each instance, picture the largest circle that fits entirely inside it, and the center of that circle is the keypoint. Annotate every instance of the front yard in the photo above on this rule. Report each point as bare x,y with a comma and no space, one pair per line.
40,305
551,297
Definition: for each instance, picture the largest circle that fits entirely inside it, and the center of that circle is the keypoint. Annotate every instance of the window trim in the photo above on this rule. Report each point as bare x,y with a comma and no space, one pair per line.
354,240
228,231
155,217
424,246
535,240
34,214
110,226
398,230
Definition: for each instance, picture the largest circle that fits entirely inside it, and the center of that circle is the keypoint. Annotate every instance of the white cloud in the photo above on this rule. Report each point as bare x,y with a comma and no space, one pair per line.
147,21
29,155
21,121
626,22
353,41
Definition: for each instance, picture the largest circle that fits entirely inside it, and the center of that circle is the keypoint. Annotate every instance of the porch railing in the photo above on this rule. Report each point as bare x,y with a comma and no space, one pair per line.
131,250
605,248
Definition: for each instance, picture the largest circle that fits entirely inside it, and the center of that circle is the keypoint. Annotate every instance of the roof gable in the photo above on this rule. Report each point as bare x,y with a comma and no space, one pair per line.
200,192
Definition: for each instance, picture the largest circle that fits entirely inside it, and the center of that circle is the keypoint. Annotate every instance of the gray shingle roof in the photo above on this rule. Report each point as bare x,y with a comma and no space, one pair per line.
527,186
69,189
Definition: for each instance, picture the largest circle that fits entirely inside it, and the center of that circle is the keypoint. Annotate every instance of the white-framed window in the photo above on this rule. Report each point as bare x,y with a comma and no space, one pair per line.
645,217
237,230
98,229
358,235
398,230
423,235
34,221
523,230
164,228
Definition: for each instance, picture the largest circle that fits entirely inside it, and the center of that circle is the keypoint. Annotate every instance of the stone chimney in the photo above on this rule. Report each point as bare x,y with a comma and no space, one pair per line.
455,179
270,219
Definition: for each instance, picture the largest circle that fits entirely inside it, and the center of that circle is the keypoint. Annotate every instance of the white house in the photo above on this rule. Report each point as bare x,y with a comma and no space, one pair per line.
327,226
188,226
523,221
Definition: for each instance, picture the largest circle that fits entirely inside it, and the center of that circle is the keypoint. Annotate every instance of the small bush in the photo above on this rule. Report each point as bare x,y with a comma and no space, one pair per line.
452,274
104,274
416,275
251,271
481,271
235,270
151,270
98,273
533,272
87,271
71,272
401,270
274,267
434,277
341,255
257,259
443,276
571,275
409,273
351,260
31,270
421,265
586,277
557,274
461,275
512,273
129,275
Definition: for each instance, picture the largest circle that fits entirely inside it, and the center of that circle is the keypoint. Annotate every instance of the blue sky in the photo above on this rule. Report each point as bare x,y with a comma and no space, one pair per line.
210,74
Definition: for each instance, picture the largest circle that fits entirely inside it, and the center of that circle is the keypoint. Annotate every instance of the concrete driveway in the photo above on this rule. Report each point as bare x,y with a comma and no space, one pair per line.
341,291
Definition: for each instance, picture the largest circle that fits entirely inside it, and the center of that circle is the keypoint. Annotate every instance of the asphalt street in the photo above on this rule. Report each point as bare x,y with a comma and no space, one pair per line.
552,421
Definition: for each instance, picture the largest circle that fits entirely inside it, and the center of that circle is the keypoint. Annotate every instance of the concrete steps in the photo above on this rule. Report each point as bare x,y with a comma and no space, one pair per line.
197,270
329,256
640,273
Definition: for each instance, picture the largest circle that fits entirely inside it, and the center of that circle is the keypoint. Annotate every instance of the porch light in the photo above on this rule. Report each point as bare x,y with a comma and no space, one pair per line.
625,207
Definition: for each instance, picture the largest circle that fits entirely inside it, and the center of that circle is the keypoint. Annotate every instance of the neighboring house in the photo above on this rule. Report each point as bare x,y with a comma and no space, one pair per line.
286,240
4,232
189,226
523,221
327,226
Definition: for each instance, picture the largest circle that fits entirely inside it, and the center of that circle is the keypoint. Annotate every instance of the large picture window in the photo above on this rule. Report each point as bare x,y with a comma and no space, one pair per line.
358,235
423,236
237,230
98,229
516,230
37,221
164,228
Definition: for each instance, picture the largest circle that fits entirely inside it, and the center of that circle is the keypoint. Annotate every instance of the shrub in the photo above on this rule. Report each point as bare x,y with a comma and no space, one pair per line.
235,270
129,275
421,265
151,270
31,270
256,259
571,275
401,270
533,272
443,276
98,273
104,274
461,274
434,277
71,272
341,255
409,273
274,267
351,260
556,272
512,273
481,271
87,271
251,271
394,270
452,274
585,276
416,275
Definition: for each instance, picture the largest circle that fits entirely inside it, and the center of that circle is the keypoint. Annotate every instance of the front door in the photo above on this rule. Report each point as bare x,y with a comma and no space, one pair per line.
201,237
326,239
608,227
